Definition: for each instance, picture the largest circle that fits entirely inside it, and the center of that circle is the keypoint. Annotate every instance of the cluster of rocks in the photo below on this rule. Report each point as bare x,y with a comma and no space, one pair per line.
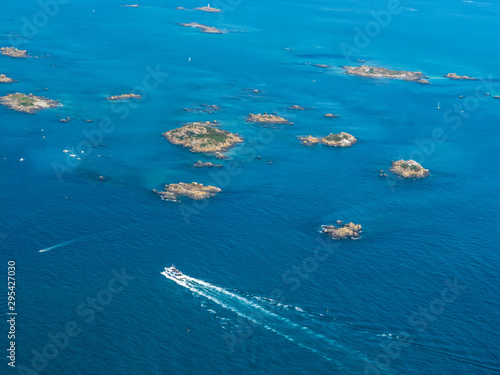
376,72
341,139
193,190
331,115
124,97
5,79
200,164
342,231
27,103
203,28
201,137
14,52
296,107
409,169
206,108
455,76
268,119
209,9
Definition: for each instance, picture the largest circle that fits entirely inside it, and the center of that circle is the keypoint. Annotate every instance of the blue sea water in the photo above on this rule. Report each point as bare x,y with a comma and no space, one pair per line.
267,293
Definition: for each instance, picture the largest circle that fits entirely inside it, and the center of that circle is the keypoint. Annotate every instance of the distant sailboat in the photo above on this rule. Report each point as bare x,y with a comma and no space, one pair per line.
438,106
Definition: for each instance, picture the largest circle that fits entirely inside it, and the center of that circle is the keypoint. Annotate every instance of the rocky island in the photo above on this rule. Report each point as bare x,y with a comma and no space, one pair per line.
192,190
207,108
375,72
309,140
200,164
268,119
27,103
203,28
343,231
124,97
331,115
296,107
456,77
5,79
323,66
336,140
200,137
409,169
208,9
14,52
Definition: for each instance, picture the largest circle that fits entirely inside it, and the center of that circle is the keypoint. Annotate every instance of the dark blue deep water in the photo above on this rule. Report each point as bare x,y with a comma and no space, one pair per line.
267,293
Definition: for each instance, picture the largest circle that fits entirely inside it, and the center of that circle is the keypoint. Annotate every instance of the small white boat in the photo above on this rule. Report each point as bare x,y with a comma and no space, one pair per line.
174,272
438,106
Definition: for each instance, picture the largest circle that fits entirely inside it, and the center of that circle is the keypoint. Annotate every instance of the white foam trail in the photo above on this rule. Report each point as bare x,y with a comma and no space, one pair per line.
300,335
238,312
62,244
258,307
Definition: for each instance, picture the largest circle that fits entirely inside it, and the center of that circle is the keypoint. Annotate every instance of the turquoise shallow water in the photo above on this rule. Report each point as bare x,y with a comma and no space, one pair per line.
259,302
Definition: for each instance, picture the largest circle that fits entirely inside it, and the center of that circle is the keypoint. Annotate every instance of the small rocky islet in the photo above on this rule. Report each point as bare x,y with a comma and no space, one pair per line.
209,9
266,119
193,190
341,139
200,164
296,107
342,231
124,97
14,52
456,77
408,169
203,28
202,137
27,103
376,72
206,108
5,79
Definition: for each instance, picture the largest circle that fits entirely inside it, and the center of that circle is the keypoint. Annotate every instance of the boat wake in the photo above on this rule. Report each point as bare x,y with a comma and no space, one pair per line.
62,244
266,316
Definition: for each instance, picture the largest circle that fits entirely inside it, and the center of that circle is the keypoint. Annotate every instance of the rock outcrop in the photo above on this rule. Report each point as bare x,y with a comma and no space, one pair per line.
455,76
375,72
201,137
309,140
206,108
203,28
5,79
192,190
27,103
268,119
343,231
336,140
208,9
409,169
124,97
341,139
297,108
200,164
14,52
331,115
